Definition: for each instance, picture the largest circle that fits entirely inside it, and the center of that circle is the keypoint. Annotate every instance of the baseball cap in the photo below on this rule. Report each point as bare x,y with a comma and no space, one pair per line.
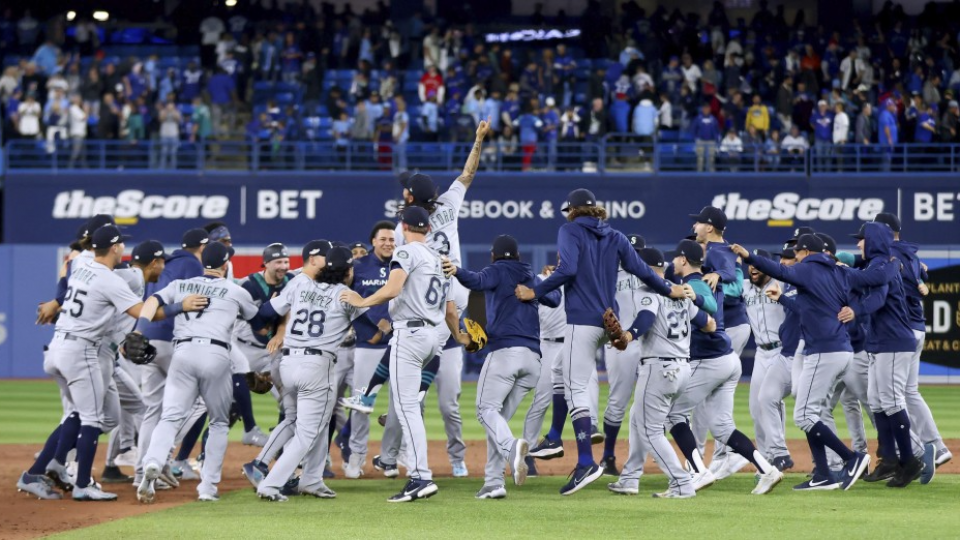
339,258
953,104
415,216
404,177
505,247
800,231
809,242
889,219
358,245
195,238
216,255
106,236
712,215
829,244
860,234
219,233
651,256
316,247
846,258
148,251
579,197
96,222
762,253
787,253
637,242
275,251
689,249
422,188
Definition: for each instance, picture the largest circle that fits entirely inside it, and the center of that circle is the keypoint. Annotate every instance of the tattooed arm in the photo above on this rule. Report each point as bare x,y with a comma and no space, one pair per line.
473,161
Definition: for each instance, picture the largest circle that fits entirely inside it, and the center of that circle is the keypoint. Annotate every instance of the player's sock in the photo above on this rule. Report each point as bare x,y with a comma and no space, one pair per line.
331,431
582,428
559,418
241,396
69,430
609,444
190,439
687,443
887,449
819,453
900,427
345,430
86,452
49,449
380,375
429,373
831,441
742,445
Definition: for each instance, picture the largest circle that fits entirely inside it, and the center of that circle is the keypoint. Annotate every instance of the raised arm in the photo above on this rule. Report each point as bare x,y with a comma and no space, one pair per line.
632,263
873,275
473,160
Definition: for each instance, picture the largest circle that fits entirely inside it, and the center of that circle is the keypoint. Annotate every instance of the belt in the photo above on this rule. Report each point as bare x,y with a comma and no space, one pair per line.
66,336
416,323
203,341
771,346
645,361
251,343
554,340
307,351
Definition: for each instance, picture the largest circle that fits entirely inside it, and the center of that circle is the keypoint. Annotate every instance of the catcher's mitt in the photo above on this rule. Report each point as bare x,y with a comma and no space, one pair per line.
259,383
614,331
478,338
137,348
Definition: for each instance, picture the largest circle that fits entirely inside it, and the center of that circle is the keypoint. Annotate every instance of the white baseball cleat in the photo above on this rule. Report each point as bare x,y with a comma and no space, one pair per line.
518,462
187,472
128,458
353,469
766,482
358,402
255,437
320,491
208,497
703,480
731,465
92,493
492,492
146,491
623,488
943,455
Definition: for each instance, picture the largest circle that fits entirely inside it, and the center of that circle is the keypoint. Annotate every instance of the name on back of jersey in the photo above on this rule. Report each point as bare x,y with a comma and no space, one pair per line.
210,291
83,275
315,298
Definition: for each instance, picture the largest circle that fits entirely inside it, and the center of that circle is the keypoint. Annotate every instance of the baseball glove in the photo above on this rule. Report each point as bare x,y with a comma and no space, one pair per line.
259,383
137,349
614,331
478,338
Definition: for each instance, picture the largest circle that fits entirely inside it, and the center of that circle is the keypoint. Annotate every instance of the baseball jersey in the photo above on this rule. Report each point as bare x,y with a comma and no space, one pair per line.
669,337
95,294
227,301
553,321
764,314
123,323
424,293
260,291
318,319
628,296
444,236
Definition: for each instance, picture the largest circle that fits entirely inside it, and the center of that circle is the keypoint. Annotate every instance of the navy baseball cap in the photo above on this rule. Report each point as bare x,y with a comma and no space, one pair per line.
316,247
422,188
195,238
636,241
96,222
358,245
711,215
809,242
787,253
106,236
339,258
651,256
149,251
762,253
800,231
829,244
275,251
216,255
579,197
505,247
415,216
859,235
689,249
404,177
889,219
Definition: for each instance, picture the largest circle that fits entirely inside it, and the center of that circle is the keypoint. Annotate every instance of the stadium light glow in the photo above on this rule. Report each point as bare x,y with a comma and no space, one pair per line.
71,15
231,3
101,16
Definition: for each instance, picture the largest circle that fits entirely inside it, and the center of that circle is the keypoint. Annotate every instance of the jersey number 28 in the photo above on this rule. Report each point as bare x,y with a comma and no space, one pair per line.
312,319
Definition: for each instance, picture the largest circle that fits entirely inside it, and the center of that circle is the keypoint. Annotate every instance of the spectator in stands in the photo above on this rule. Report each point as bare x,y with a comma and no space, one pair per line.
211,28
926,128
795,146
594,124
33,81
691,73
802,108
169,136
191,83
665,112
361,131
771,150
510,109
863,133
529,126
202,121
431,49
225,45
672,77
290,59
430,119
841,131
401,134
491,110
28,116
620,113
134,83
569,135
431,81
311,78
705,130
550,117
758,116
888,132
565,67
731,148
133,125
709,80
78,131
821,121
531,84
223,98
341,132
507,144
931,89
948,124
645,117
360,86
169,85
785,100
108,123
46,57
643,83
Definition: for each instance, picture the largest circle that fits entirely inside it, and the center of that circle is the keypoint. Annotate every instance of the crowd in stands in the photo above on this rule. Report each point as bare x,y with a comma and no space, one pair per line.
737,92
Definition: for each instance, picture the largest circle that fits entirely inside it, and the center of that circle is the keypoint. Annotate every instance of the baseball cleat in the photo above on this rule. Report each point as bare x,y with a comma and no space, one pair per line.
208,497
674,492
597,436
531,467
884,470
92,493
353,469
518,463
113,475
273,496
703,480
255,437
766,482
166,475
382,420
320,491
57,472
187,472
609,466
783,463
39,486
717,464
581,477
342,440
492,492
623,488
818,483
907,474
128,458
255,472
460,469
291,488
943,456
359,402
146,491
415,489
731,465
547,449
854,469
929,464
389,470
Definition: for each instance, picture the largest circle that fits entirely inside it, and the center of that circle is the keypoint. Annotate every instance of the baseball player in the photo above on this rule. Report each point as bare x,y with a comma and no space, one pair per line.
715,373
318,322
512,367
200,367
359,249
663,325
822,291
417,291
590,254
622,366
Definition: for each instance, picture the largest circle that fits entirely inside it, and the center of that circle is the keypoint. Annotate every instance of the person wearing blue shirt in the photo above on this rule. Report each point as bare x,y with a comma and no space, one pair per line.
529,126
705,130
645,119
926,125
46,58
191,85
564,65
491,110
821,120
222,89
551,126
888,132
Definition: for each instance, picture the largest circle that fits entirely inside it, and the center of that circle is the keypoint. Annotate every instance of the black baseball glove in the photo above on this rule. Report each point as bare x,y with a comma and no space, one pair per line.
259,383
137,349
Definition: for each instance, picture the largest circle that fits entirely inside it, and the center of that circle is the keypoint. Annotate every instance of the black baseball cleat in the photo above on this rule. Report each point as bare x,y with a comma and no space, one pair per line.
597,436
415,489
547,449
531,467
291,488
907,473
582,476
382,420
783,463
885,470
609,466
113,475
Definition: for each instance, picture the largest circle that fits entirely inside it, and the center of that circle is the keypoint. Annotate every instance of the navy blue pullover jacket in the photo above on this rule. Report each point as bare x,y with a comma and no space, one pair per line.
370,273
703,345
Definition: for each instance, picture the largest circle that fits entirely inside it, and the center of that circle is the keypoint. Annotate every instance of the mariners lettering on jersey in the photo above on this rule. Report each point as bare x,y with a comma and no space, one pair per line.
210,291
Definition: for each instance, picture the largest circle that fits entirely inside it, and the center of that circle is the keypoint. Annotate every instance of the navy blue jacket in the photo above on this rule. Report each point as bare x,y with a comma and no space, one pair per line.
790,330
181,265
912,274
704,346
369,275
510,322
723,262
591,253
822,291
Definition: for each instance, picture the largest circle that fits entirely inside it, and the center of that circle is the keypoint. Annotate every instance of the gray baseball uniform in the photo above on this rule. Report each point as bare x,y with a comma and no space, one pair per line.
769,369
622,366
200,367
553,322
917,408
